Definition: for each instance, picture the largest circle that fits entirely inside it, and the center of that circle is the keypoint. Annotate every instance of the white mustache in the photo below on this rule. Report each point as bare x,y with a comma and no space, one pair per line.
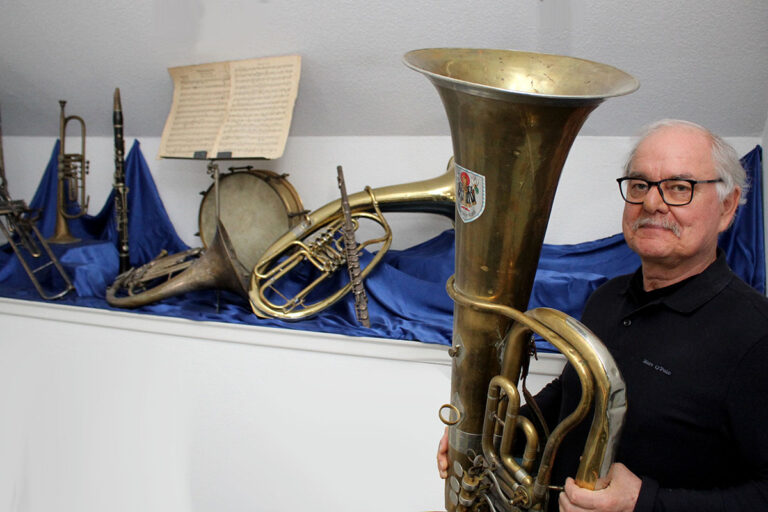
659,223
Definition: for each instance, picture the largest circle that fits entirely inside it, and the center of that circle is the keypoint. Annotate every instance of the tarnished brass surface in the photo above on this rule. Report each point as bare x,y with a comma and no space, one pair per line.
513,118
213,267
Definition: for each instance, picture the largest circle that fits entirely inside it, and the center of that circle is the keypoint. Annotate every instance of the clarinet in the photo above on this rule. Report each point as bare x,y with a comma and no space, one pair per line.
350,250
121,191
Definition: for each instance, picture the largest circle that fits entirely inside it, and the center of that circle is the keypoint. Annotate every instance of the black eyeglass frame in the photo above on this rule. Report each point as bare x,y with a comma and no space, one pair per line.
657,184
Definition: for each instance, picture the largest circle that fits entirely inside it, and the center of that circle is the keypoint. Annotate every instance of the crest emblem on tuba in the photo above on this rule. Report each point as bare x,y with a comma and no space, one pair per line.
470,194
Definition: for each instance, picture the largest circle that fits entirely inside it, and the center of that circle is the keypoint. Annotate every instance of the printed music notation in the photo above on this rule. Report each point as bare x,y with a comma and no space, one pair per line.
235,109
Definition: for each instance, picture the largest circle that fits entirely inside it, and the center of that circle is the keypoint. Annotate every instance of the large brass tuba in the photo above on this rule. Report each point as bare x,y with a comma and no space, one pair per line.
513,118
71,199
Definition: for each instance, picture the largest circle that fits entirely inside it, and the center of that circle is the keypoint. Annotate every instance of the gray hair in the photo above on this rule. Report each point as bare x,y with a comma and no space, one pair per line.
724,156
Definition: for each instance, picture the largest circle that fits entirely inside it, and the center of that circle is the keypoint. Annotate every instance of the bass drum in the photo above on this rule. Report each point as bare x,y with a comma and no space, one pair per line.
255,206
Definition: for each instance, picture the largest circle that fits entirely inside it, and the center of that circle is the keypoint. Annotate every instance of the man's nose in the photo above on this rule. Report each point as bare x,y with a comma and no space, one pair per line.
653,202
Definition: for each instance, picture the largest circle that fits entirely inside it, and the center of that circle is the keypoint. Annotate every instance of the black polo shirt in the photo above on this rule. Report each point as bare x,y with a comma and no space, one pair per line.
694,357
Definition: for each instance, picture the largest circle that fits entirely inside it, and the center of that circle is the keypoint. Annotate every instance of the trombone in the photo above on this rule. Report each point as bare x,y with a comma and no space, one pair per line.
18,226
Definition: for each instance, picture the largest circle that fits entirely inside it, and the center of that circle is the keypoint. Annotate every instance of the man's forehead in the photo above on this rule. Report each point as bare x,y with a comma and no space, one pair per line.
673,152
665,174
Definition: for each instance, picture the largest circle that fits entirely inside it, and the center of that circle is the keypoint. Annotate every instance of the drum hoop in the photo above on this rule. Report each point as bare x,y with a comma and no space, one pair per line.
278,182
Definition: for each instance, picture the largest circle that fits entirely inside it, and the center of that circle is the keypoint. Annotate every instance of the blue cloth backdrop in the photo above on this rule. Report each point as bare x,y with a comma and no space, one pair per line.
406,293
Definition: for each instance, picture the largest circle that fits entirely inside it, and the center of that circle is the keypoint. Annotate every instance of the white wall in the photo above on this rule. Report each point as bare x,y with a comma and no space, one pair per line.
124,412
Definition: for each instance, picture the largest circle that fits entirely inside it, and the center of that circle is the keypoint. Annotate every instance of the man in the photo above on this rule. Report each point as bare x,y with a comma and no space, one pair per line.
690,338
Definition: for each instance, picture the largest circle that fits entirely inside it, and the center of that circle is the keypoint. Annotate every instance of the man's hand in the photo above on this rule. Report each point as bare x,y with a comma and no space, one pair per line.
442,455
619,495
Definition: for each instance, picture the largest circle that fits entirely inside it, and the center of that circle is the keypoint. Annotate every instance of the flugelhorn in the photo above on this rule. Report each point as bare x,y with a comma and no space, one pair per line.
316,243
513,117
71,198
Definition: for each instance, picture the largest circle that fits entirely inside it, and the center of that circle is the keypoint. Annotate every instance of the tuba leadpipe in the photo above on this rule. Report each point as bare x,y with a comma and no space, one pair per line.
316,241
71,198
513,117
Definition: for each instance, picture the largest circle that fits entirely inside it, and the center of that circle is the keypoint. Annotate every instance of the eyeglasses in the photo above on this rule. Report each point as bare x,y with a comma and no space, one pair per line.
673,191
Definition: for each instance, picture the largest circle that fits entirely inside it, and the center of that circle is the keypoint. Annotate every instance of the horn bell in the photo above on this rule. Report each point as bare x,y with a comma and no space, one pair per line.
214,267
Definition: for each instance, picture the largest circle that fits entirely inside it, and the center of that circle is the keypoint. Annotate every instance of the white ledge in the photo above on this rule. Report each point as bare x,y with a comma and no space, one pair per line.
290,339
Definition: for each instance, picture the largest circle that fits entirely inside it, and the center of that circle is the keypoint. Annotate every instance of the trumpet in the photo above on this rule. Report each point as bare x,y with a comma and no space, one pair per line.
317,244
71,198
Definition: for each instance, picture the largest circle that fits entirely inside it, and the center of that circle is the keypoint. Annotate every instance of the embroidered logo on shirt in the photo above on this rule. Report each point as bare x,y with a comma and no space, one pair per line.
657,367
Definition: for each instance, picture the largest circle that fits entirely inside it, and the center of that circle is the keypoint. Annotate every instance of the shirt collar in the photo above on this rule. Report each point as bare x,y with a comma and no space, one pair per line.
689,295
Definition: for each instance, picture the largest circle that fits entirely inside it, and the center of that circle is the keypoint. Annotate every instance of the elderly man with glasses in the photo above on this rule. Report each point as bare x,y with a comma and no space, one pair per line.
690,338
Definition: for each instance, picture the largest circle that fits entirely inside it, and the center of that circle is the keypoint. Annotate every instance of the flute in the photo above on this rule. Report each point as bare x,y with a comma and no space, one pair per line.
350,250
121,191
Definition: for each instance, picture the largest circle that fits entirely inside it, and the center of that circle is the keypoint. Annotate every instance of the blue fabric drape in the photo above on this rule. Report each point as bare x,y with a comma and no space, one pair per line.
92,262
744,242
406,293
149,230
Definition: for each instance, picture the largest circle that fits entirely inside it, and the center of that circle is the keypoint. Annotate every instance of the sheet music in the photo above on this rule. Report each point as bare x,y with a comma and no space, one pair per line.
239,109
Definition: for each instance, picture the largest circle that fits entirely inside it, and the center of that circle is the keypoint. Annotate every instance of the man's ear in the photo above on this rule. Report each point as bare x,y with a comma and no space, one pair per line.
728,209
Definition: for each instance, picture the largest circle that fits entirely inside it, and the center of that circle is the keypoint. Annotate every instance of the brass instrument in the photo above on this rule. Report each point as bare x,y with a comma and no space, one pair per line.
17,223
71,199
513,118
316,243
121,190
215,267
351,255
219,265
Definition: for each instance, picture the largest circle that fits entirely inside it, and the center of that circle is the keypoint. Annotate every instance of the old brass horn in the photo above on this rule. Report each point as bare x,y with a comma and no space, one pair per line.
513,117
316,243
213,267
18,225
71,198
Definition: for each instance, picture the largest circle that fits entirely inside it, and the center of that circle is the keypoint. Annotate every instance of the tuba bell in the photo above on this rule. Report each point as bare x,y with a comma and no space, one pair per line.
513,117
71,199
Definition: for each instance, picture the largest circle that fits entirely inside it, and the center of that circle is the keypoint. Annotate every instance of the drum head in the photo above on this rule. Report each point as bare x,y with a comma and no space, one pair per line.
256,207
